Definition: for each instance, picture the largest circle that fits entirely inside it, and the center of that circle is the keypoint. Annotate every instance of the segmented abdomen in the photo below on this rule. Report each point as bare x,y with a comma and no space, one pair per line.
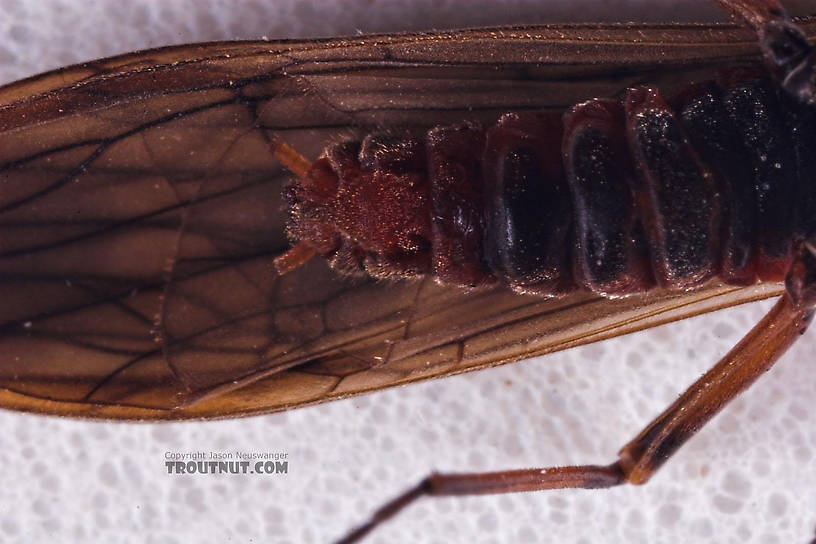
614,196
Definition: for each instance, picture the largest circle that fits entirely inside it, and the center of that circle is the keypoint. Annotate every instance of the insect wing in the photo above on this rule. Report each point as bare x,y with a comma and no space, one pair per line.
140,210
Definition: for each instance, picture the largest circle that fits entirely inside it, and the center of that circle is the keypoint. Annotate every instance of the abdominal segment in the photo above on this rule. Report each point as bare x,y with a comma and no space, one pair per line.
611,196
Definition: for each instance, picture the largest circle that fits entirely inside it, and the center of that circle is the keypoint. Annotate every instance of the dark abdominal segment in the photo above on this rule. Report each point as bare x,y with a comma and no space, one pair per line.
610,253
717,140
528,208
677,200
756,109
457,195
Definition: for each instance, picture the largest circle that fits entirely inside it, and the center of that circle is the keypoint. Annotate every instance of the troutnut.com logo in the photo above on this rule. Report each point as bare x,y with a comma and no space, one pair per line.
221,462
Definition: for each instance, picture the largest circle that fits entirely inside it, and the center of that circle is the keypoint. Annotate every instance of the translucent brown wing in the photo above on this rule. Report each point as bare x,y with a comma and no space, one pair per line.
140,210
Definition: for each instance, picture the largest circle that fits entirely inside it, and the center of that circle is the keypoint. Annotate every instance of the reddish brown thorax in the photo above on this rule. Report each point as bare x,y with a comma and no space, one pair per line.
366,207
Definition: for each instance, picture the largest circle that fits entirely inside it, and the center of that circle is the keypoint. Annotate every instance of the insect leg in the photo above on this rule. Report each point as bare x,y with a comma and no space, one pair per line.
293,258
290,158
301,167
784,46
642,457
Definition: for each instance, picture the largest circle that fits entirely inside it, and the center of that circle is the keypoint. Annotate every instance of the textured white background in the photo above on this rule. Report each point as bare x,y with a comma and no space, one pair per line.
750,476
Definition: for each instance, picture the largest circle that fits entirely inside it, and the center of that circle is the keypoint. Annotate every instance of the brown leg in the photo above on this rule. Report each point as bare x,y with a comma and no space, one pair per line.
290,158
293,258
639,459
301,167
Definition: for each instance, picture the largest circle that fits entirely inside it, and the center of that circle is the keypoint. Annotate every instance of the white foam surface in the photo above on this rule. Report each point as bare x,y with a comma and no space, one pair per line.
750,476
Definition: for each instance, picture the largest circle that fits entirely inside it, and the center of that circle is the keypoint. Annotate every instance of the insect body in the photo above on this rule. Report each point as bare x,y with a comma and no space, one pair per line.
200,286
139,278
640,196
